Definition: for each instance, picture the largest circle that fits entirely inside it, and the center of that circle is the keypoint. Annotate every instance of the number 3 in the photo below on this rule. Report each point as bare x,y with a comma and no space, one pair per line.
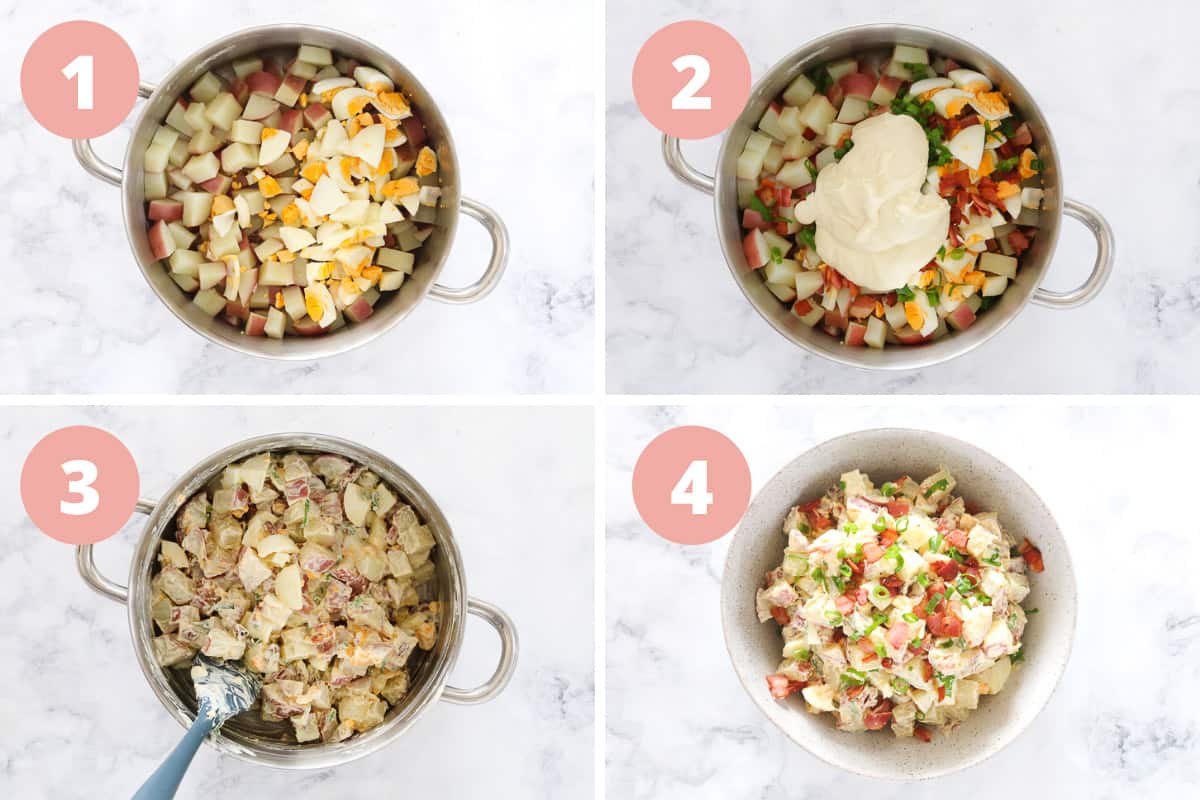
81,67
89,498
687,100
692,489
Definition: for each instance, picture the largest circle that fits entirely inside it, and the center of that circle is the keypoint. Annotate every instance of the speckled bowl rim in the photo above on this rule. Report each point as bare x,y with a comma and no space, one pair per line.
1069,589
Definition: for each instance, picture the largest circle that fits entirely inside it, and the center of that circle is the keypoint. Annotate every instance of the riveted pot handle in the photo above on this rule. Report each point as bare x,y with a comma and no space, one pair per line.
91,574
680,167
93,163
481,288
508,656
1105,253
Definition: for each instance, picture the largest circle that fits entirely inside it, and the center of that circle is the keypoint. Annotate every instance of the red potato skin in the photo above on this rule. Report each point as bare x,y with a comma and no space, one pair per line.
240,91
295,83
856,334
801,307
892,84
912,337
750,219
754,247
218,184
862,307
857,84
414,129
961,318
359,310
290,120
235,312
308,327
256,324
160,236
168,210
263,83
317,115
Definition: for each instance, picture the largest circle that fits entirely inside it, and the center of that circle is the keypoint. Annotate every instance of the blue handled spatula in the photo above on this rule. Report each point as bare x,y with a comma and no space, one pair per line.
223,689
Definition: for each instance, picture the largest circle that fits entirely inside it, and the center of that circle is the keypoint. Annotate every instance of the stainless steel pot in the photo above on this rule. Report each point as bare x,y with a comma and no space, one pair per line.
393,306
247,737
1034,263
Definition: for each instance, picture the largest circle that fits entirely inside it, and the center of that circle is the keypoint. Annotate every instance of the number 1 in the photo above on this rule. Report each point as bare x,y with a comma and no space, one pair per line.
692,489
89,498
81,67
687,99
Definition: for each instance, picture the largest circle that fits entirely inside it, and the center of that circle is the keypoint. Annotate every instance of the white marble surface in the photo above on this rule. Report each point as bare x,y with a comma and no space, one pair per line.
1123,723
515,82
77,719
677,323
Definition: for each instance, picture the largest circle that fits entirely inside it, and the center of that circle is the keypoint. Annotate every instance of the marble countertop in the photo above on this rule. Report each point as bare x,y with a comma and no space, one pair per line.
515,83
677,322
1123,723
77,719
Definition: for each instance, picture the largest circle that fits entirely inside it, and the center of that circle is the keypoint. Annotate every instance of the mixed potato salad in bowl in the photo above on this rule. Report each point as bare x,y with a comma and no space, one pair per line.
313,573
899,605
888,198
287,191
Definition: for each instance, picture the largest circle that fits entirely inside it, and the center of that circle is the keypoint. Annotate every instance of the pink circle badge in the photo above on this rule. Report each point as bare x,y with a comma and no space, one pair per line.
691,79
691,485
79,79
79,485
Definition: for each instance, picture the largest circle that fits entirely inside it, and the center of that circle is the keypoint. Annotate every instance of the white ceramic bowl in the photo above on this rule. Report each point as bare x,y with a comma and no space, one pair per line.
754,647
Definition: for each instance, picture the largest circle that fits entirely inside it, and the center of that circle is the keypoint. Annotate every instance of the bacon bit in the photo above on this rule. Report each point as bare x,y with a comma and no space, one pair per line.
957,539
1018,241
844,604
782,686
945,624
876,719
946,570
893,583
898,508
1032,556
780,614
927,670
855,691
766,193
784,196
941,693
922,733
887,663
888,537
872,552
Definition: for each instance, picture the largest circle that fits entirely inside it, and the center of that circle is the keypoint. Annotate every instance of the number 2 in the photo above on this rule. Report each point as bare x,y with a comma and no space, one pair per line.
89,498
692,489
82,67
687,99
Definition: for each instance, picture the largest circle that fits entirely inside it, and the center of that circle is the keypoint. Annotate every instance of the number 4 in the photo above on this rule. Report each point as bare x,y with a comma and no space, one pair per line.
687,99
89,498
692,489
81,67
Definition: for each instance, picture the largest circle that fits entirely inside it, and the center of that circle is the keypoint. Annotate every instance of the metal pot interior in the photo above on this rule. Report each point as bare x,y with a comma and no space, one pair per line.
393,306
878,40
247,736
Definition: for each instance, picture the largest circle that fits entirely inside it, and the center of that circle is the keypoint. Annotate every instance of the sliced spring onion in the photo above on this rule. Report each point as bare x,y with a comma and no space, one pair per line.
845,570
902,524
933,602
881,651
943,483
888,489
834,617
923,579
880,592
910,617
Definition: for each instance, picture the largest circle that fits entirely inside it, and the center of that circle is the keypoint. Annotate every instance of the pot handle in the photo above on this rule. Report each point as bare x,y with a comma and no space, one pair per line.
679,166
508,657
1105,253
481,288
93,163
91,574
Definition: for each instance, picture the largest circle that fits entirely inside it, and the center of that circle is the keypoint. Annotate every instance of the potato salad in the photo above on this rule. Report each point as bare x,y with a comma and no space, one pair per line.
311,571
897,605
289,189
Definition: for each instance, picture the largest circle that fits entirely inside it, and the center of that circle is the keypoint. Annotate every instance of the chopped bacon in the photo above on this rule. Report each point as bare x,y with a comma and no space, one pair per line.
861,597
887,663
927,670
957,539
784,196
1018,241
876,719
864,645
922,733
872,552
782,686
844,604
888,537
898,508
946,570
855,691
1032,556
955,180
899,635
945,624
780,614
893,583
862,307
766,193
781,227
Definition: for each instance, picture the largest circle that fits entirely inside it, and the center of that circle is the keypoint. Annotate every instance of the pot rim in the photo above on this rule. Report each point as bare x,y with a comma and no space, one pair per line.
915,356
453,619
335,342
1072,603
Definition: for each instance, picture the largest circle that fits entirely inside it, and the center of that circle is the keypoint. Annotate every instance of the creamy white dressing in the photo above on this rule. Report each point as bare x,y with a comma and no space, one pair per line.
874,224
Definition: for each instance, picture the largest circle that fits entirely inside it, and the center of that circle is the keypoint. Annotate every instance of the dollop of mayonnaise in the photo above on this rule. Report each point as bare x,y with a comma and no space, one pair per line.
874,225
